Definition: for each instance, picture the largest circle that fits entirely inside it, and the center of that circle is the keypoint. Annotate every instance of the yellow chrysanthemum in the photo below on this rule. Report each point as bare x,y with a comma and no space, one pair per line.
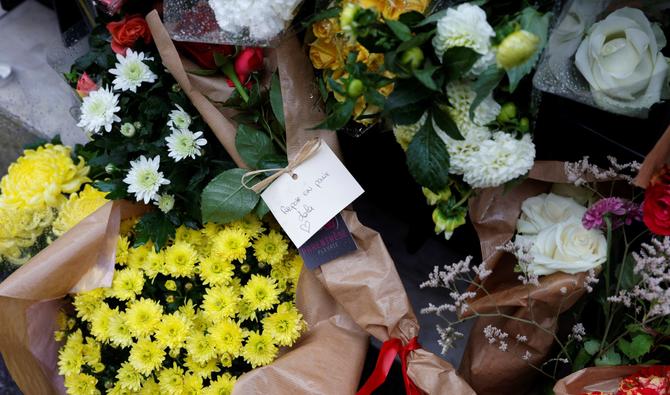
100,321
20,229
245,311
91,352
81,384
86,303
259,350
203,370
209,232
231,244
150,387
250,225
122,250
219,302
127,283
180,259
119,332
137,257
270,248
129,378
143,317
223,385
40,177
216,271
261,292
187,310
78,207
187,235
127,226
171,380
117,389
227,337
70,356
172,331
284,326
146,356
154,264
192,385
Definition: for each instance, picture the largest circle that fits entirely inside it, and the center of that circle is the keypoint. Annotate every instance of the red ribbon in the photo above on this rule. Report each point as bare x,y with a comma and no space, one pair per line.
389,350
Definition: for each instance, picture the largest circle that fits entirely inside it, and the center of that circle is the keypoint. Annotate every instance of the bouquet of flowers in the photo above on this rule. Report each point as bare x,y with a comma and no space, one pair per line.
590,58
619,380
436,78
190,318
45,192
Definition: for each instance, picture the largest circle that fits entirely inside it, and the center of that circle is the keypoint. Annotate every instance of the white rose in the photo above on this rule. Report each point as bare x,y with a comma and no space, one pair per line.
621,59
542,211
567,247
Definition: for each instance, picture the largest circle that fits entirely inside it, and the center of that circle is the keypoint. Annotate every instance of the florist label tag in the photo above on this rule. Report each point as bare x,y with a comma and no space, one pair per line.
317,190
329,243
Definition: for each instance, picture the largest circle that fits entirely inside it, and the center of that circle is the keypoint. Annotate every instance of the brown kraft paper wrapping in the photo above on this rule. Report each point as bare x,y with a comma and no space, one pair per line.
81,259
362,287
494,214
602,379
657,157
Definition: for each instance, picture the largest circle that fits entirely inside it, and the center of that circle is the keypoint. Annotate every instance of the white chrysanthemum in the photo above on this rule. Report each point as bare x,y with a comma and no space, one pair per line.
131,71
261,20
499,160
164,202
179,119
98,110
144,179
184,144
405,133
461,95
463,26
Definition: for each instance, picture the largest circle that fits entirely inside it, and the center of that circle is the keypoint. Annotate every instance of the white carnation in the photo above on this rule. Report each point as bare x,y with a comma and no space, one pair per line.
98,111
463,26
499,160
131,72
260,19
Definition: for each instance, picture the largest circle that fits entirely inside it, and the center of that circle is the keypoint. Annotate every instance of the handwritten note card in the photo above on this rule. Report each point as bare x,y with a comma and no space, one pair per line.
317,191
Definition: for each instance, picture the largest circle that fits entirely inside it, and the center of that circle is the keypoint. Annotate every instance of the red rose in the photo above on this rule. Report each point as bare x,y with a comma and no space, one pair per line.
85,85
656,206
203,54
249,60
127,31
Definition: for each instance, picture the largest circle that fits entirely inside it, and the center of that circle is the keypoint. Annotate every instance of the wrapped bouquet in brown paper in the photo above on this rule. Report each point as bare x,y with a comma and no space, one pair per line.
564,232
361,287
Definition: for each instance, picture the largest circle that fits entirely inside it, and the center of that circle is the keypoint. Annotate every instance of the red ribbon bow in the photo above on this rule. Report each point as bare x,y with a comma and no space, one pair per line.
390,349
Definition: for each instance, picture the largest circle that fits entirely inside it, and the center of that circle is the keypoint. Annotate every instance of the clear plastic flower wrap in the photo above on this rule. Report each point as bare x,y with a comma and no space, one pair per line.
607,54
259,23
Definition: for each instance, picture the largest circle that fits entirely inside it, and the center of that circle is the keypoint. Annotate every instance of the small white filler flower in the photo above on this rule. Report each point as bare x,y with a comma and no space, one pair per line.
144,179
164,202
98,110
179,119
131,71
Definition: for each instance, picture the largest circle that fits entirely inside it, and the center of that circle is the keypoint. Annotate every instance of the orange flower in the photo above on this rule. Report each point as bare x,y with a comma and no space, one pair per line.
392,9
325,54
326,28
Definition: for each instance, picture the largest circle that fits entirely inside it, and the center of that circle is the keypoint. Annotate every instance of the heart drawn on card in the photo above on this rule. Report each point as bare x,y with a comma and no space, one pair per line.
305,226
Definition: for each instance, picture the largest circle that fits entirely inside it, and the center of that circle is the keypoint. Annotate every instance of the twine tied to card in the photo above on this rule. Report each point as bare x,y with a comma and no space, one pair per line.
306,152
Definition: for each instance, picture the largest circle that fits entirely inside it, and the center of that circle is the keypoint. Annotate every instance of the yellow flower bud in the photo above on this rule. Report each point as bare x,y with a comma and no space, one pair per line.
170,285
169,298
434,198
507,112
448,223
245,268
348,15
516,49
188,286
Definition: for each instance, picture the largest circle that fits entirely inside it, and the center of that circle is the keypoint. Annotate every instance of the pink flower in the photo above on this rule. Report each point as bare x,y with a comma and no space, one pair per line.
620,211
85,85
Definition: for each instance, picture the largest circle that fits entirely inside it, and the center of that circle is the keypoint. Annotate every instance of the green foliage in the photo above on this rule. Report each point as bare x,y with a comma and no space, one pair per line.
428,159
537,23
637,347
225,199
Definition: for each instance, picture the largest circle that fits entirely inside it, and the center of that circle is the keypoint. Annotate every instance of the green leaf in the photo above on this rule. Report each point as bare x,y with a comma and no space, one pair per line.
340,115
225,199
325,14
276,100
611,358
428,159
484,85
155,227
592,346
581,360
534,22
261,209
253,145
220,59
425,76
399,29
415,41
445,123
638,347
411,18
405,93
433,18
459,60
407,115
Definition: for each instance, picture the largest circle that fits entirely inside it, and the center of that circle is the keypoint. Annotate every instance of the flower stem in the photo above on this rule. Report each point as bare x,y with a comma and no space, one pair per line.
229,71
